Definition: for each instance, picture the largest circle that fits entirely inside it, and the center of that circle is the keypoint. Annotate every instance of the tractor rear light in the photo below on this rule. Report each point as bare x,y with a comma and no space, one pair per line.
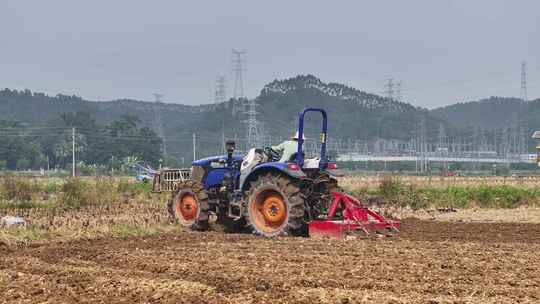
331,166
293,167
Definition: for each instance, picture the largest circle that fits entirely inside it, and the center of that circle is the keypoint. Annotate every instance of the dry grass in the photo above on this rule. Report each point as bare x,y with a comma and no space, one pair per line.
118,219
86,209
397,191
100,207
373,182
529,215
517,215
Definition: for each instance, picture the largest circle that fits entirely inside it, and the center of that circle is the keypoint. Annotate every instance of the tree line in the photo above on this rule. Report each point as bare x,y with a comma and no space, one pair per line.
50,146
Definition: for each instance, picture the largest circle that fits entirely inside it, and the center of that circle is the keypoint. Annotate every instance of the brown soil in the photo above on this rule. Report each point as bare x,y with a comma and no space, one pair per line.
431,262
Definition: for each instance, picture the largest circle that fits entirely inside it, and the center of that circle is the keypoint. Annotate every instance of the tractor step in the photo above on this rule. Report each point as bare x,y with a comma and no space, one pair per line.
356,218
236,209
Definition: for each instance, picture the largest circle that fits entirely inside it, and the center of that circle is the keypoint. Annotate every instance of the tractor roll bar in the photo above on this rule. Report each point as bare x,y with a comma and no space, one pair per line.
299,154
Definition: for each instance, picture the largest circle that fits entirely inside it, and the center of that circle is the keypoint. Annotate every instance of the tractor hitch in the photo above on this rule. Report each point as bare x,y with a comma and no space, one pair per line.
355,218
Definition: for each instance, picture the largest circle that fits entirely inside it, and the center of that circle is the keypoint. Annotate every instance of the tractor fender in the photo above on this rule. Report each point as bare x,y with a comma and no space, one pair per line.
334,172
271,167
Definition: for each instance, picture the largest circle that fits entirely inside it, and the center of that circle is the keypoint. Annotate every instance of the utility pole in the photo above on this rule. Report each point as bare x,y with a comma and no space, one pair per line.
522,109
221,95
506,144
524,96
157,120
194,147
73,151
250,108
253,136
423,146
398,91
223,142
390,88
443,147
238,62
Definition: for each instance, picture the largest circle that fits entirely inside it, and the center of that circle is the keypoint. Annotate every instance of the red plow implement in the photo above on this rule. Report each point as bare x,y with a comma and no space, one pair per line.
347,216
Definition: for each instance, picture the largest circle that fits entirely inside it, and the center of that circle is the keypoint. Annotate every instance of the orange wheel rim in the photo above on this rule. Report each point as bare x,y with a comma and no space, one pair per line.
188,207
269,210
273,209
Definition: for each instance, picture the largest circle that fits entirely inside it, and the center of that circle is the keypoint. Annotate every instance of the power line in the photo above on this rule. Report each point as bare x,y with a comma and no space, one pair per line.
73,151
238,62
398,91
506,76
220,94
252,124
157,120
522,143
523,94
389,92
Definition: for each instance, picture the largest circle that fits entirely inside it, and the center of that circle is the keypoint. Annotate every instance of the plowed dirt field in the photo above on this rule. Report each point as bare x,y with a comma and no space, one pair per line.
431,262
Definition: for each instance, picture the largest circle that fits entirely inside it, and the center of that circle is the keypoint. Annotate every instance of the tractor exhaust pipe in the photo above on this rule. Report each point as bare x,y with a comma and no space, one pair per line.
230,145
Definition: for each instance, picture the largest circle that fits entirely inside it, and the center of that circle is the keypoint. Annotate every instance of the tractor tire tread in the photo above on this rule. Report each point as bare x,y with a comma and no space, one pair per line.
201,223
295,201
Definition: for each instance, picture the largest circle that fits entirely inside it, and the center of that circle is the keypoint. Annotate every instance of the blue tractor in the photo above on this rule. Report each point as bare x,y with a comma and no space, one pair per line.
267,197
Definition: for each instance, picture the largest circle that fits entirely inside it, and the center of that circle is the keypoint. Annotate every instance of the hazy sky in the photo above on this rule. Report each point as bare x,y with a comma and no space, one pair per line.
443,51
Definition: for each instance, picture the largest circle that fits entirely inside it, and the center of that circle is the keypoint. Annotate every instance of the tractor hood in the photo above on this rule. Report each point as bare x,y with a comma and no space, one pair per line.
206,161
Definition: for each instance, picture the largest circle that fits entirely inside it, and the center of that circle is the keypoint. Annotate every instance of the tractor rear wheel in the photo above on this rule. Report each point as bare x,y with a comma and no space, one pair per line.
189,205
275,206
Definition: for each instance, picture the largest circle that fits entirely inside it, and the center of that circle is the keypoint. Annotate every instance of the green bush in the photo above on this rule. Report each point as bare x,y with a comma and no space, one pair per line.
394,192
459,197
73,193
51,187
390,189
102,191
413,198
124,186
510,197
483,196
18,189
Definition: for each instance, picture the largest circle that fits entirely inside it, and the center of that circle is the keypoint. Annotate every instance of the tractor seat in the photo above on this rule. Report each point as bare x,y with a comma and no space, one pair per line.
252,159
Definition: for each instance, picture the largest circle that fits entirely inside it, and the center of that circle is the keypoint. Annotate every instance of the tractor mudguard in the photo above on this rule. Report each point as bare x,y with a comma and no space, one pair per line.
289,169
334,172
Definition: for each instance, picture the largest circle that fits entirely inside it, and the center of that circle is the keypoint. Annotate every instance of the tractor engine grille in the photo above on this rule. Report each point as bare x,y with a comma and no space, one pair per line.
166,180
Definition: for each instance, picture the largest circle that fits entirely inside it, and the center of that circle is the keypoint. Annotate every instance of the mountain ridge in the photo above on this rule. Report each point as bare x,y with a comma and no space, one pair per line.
353,114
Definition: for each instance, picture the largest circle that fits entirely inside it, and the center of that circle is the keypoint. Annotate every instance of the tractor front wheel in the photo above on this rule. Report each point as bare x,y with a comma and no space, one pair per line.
275,206
189,205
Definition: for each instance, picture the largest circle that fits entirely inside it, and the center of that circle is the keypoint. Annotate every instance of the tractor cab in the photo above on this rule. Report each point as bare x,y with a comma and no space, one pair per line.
262,160
322,163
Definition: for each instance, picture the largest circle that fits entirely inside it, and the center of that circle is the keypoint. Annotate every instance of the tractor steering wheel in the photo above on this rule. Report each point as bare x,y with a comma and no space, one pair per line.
272,154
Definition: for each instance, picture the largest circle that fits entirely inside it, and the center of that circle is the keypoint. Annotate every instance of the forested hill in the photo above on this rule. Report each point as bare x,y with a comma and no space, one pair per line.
353,114
338,91
492,114
37,108
487,113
